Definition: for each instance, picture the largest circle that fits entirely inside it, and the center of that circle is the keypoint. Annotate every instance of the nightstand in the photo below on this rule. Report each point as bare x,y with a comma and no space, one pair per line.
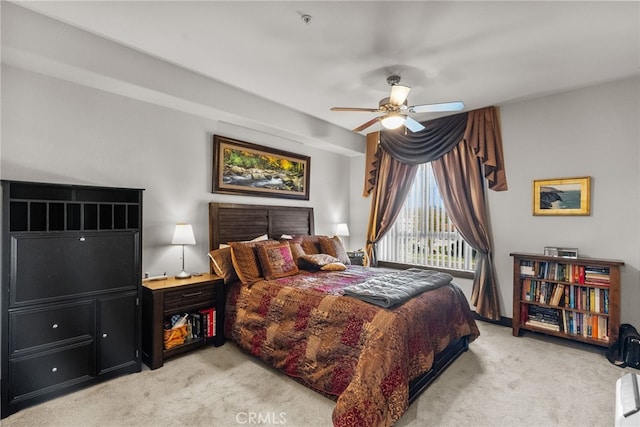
162,299
356,257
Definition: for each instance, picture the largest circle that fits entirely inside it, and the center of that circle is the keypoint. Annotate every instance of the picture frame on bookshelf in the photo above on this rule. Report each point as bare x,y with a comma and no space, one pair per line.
563,196
561,252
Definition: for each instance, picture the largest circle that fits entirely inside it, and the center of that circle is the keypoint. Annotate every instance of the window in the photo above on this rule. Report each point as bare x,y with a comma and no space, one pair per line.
423,234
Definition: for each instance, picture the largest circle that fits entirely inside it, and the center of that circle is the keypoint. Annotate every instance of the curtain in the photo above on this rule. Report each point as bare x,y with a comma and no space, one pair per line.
392,184
438,138
371,163
468,144
485,137
459,177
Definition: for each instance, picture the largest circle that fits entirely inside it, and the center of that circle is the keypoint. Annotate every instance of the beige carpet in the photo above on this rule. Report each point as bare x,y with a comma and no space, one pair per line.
500,381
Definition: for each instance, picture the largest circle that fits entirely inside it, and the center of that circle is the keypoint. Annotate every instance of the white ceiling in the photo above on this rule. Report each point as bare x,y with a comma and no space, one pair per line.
482,53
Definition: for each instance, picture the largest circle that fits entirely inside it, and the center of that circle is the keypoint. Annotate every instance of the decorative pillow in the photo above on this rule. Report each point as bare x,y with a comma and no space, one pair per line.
333,266
276,261
256,239
333,246
245,260
316,261
309,244
296,251
223,264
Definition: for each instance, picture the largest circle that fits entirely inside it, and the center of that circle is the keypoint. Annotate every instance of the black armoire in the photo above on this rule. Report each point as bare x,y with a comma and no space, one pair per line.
71,283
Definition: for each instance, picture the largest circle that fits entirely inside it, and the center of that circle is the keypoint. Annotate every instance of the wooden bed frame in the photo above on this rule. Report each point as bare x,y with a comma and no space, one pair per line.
238,222
230,222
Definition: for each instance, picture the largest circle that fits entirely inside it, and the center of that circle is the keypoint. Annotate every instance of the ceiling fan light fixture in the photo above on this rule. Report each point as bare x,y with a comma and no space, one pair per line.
399,94
395,109
392,121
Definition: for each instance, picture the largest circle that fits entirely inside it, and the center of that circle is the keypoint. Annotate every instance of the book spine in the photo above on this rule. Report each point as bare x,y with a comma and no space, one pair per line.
212,322
205,323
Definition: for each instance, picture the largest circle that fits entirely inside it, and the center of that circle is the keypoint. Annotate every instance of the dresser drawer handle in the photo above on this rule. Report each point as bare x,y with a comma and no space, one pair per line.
54,326
54,369
192,294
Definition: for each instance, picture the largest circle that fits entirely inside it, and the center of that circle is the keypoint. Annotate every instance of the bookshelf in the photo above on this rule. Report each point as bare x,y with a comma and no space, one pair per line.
573,298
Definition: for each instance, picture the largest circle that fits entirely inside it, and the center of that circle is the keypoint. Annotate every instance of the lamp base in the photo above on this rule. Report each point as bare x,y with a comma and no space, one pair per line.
183,275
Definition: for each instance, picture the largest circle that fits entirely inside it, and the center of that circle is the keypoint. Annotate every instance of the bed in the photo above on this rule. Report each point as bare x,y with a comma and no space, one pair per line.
373,361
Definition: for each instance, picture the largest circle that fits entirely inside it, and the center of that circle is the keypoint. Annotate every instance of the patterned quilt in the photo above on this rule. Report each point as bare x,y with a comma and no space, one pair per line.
362,354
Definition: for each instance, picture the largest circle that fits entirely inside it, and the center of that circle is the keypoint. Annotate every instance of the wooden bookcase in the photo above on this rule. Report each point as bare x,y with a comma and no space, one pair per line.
573,298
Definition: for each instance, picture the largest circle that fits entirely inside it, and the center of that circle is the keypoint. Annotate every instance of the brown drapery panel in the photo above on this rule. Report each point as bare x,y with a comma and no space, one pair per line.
459,177
463,194
392,184
484,135
371,163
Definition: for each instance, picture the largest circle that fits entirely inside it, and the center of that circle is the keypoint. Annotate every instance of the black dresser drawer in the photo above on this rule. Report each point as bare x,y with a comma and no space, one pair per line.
50,370
190,297
34,328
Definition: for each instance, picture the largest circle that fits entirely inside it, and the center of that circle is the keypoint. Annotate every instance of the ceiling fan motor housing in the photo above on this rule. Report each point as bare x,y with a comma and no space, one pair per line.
386,106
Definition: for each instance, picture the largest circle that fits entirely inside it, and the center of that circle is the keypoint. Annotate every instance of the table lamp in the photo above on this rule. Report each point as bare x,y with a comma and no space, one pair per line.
183,235
342,230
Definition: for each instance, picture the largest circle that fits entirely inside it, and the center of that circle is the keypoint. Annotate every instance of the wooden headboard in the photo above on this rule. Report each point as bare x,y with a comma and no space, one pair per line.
230,222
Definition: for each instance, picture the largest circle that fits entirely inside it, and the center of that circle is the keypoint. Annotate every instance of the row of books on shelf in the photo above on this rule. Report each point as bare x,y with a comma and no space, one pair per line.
568,296
551,319
572,273
187,326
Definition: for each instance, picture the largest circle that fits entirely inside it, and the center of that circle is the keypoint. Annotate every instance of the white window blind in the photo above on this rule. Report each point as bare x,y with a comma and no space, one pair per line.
423,234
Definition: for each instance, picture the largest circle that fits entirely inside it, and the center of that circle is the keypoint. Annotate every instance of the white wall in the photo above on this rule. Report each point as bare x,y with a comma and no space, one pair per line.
590,132
83,110
56,131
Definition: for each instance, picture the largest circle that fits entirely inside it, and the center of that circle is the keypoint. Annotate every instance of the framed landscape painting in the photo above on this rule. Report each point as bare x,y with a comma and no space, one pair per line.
566,196
249,169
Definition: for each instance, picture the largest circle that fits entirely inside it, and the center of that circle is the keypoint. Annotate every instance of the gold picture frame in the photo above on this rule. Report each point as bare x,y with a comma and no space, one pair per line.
564,196
254,170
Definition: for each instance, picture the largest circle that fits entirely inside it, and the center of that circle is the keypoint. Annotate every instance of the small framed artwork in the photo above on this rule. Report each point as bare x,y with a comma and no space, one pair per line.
254,170
564,196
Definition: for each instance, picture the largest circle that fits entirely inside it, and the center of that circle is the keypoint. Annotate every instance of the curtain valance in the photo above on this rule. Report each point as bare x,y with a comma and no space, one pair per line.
438,137
480,128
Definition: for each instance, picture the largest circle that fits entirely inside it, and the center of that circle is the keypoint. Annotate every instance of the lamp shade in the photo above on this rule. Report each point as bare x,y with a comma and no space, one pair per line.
183,235
342,229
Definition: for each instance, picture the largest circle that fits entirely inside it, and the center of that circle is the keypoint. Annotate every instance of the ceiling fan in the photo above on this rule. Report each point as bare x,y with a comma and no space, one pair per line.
396,111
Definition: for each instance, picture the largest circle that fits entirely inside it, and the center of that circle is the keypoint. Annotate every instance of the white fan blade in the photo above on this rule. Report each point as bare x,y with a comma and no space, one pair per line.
435,108
399,94
413,125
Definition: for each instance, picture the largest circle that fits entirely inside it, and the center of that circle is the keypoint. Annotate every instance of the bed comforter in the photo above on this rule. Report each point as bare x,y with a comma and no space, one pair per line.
361,354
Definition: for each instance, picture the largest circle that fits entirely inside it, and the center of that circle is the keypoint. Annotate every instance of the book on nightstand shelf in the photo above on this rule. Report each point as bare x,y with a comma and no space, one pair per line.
577,298
208,322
